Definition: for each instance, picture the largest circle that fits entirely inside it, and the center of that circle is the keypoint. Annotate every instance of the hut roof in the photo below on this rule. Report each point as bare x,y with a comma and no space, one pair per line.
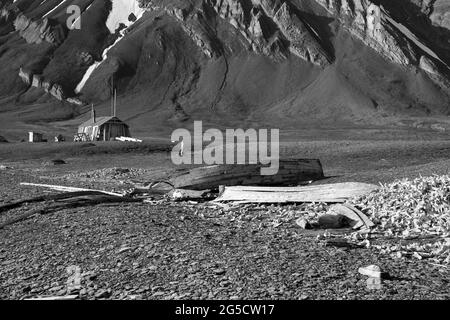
100,121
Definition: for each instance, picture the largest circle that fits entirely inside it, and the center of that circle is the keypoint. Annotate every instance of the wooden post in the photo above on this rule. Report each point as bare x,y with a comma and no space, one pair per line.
115,102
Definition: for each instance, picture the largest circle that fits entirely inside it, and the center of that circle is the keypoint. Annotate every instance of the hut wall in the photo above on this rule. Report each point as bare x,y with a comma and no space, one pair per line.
114,130
86,130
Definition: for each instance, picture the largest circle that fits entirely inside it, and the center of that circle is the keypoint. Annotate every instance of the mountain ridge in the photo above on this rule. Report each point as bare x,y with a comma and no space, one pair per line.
227,62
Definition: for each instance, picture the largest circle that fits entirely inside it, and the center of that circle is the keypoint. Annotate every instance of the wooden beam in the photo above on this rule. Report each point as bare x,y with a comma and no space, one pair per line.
70,189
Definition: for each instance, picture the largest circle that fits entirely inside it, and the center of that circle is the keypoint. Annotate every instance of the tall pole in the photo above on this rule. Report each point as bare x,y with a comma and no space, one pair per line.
115,102
112,95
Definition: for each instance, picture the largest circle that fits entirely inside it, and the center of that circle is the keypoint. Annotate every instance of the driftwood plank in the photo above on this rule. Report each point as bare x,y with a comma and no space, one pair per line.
184,195
55,298
329,193
52,197
70,189
22,217
70,200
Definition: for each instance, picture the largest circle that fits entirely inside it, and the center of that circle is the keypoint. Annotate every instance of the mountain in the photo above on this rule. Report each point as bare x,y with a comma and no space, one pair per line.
277,63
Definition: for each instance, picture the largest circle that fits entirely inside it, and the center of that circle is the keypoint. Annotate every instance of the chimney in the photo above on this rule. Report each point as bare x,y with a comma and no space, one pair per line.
94,120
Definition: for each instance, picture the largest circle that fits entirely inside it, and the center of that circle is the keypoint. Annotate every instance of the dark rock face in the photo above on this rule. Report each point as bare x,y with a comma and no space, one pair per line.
38,81
271,61
85,59
38,31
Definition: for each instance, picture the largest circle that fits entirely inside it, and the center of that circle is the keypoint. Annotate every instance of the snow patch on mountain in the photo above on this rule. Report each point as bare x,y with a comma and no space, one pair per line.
120,12
55,8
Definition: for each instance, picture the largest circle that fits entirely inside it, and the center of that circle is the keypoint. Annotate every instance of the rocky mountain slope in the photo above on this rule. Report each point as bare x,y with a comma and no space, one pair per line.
282,63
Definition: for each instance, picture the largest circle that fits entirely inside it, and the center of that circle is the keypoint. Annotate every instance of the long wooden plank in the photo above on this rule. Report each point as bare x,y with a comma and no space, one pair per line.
55,298
70,189
329,193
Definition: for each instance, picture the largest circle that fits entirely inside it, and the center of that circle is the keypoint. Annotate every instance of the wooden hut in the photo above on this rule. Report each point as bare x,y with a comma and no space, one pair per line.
104,128
35,137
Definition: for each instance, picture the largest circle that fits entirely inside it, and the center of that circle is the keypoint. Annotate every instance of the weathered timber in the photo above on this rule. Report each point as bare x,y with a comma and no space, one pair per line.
328,193
184,195
22,217
55,298
367,222
351,216
291,172
51,197
70,189
70,200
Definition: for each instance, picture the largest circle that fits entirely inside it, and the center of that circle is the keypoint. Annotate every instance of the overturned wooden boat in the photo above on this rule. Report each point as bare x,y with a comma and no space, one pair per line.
327,193
291,173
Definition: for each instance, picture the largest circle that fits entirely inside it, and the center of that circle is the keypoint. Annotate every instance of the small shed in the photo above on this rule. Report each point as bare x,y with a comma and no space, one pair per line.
35,137
104,128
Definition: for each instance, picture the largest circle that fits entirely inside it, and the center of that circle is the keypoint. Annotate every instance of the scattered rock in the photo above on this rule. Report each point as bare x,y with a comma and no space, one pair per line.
102,294
372,271
90,275
124,249
303,223
219,272
58,162
74,280
132,17
26,289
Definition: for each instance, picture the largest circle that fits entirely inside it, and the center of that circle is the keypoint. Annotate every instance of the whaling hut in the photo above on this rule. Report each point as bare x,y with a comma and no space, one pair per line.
104,128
